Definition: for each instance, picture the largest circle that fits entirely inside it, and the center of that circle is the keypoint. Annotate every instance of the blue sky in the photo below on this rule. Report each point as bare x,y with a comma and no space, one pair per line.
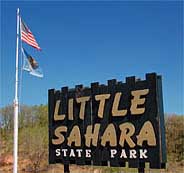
84,42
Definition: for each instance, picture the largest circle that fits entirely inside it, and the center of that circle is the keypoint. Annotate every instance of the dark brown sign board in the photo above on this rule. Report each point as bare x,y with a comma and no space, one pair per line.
108,124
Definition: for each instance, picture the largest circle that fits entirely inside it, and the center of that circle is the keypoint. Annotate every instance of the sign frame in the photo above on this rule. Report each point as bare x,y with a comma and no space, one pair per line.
153,112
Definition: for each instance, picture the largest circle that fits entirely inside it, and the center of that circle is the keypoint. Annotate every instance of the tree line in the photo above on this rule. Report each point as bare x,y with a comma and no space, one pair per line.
33,135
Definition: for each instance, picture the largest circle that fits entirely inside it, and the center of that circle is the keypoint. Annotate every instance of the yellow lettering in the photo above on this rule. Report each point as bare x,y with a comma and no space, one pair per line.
56,116
70,109
101,98
109,136
127,130
92,136
83,101
115,111
60,138
75,136
138,101
147,133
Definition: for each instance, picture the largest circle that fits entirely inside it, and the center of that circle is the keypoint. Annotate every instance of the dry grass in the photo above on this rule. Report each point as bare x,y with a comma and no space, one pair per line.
58,168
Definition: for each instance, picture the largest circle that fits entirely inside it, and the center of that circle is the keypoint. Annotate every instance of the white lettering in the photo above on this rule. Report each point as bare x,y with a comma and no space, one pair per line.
123,154
58,153
64,152
72,154
79,151
133,154
113,152
143,153
88,153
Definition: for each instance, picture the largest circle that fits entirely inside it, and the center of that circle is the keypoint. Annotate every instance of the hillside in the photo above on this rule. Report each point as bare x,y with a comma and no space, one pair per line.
33,143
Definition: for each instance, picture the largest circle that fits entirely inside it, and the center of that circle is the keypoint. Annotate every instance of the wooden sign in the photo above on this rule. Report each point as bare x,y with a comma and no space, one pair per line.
108,124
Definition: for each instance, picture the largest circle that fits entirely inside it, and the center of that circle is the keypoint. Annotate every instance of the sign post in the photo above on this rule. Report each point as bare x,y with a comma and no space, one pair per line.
114,123
140,170
66,168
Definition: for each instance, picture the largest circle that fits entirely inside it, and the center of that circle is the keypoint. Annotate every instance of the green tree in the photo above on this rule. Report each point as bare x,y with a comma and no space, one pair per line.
33,138
34,145
41,114
175,137
7,118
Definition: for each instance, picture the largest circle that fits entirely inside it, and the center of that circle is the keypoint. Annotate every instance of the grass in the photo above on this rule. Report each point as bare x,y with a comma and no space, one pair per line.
96,169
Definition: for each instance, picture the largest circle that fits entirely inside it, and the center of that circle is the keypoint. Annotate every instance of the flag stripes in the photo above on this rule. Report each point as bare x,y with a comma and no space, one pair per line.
27,36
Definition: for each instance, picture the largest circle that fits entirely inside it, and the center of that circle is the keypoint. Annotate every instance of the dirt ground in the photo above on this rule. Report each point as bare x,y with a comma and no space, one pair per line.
59,168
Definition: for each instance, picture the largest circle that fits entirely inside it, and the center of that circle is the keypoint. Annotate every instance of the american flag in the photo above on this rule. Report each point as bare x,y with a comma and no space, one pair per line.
27,36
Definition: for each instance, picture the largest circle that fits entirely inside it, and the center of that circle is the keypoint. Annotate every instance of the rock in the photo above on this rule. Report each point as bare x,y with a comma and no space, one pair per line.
6,160
97,171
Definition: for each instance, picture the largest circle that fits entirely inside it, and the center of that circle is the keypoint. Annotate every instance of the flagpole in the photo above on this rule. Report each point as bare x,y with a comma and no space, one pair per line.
16,103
